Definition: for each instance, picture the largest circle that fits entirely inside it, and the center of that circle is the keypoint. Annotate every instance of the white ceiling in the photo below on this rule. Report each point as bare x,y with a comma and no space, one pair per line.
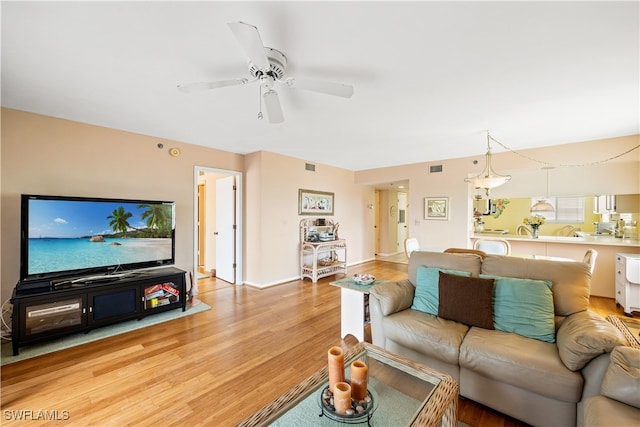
430,78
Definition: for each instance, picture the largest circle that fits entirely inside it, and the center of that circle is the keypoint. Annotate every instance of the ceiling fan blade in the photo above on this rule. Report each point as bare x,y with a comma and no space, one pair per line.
250,40
329,88
272,106
201,86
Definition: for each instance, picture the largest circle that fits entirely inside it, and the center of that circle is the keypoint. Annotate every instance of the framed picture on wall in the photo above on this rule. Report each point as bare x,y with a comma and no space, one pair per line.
436,208
312,202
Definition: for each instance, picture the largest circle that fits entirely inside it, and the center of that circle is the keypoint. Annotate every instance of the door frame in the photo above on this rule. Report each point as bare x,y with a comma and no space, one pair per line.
402,228
238,219
201,225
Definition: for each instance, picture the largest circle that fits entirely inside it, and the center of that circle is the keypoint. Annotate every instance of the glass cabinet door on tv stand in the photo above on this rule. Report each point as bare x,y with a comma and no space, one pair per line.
322,253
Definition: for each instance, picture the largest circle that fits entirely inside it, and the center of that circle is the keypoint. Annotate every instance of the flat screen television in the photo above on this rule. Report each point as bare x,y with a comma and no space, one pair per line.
66,237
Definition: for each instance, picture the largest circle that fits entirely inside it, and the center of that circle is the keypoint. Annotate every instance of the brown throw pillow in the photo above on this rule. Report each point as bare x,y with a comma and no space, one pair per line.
467,300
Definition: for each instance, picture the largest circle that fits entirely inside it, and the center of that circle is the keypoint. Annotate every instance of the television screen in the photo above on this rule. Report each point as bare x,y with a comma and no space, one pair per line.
67,236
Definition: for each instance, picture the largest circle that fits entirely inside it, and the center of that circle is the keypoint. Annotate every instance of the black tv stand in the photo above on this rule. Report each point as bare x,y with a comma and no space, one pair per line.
66,307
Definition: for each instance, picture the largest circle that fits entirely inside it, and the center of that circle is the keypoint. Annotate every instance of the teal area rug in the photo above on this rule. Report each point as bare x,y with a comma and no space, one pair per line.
38,349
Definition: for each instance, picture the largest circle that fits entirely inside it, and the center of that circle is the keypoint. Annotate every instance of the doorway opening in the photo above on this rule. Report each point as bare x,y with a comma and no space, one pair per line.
392,219
218,225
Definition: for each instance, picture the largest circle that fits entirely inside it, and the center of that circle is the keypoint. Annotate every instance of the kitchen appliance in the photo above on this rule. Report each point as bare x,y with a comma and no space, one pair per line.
326,236
608,227
630,231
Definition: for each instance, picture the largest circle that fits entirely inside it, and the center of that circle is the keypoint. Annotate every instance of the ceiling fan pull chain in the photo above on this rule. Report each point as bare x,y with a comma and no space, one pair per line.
260,103
258,76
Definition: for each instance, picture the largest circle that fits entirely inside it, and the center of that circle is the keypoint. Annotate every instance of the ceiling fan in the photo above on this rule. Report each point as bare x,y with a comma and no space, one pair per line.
267,66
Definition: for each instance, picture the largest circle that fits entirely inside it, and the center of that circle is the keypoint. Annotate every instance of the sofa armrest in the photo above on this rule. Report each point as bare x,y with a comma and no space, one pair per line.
617,398
622,379
583,336
385,299
593,372
393,296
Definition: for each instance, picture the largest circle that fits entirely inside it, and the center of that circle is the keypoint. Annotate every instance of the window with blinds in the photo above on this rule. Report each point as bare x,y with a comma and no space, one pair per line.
567,209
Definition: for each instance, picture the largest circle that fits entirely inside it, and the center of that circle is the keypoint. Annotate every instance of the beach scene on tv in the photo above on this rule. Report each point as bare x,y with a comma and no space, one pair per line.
71,235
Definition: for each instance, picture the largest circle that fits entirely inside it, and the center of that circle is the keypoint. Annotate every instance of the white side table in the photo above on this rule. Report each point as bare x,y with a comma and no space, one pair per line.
354,307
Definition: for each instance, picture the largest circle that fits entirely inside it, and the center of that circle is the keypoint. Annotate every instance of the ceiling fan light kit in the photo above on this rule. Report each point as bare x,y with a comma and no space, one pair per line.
277,65
272,106
268,66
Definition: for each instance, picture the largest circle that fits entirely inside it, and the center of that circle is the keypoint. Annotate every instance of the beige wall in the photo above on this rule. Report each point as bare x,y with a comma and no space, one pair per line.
621,176
272,220
44,155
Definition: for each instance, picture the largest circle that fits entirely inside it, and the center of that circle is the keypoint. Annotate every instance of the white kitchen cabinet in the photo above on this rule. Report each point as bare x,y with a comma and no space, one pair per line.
628,282
604,204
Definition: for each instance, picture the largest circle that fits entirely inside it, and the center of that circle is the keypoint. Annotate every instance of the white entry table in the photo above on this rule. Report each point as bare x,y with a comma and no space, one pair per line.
354,307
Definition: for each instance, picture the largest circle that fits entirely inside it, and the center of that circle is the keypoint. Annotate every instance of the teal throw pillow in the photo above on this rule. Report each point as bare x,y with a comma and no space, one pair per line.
524,307
426,297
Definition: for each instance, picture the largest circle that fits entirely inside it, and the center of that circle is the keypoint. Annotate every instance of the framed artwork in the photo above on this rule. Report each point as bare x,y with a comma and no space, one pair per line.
312,202
436,208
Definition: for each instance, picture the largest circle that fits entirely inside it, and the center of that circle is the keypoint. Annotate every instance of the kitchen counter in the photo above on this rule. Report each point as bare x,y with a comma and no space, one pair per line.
604,275
587,240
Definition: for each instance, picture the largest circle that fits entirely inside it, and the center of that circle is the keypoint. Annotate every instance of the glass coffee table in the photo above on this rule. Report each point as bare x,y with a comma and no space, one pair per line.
406,393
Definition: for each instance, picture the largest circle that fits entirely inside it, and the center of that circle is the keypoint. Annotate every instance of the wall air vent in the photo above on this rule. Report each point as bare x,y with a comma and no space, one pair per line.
435,168
310,167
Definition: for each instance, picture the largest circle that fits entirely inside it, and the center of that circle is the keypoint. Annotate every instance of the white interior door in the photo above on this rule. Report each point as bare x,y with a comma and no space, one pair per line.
226,229
402,220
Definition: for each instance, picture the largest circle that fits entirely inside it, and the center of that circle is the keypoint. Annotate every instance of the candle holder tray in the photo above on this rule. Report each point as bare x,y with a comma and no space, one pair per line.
365,416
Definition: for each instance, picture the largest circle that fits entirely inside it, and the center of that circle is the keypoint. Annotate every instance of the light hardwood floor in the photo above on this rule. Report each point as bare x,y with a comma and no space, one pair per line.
211,369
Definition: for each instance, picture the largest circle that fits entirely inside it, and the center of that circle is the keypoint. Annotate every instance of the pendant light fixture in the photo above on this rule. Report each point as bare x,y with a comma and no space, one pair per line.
488,178
542,205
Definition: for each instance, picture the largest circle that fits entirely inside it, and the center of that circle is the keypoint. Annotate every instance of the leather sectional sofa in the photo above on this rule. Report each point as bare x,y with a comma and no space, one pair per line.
542,354
618,403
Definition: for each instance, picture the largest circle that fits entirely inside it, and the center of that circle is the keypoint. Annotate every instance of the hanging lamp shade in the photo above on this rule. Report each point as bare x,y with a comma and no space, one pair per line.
542,205
488,178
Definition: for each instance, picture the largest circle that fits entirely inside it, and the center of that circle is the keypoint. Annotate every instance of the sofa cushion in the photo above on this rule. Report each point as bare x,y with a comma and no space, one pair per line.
426,298
571,280
430,335
460,262
622,379
585,335
393,296
467,300
524,307
519,361
600,411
